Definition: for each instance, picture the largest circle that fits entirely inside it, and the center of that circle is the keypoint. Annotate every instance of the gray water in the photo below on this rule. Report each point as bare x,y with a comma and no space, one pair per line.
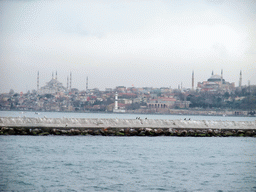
87,163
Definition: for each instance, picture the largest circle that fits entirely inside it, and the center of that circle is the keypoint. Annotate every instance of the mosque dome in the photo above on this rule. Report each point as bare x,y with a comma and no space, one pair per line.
53,86
214,78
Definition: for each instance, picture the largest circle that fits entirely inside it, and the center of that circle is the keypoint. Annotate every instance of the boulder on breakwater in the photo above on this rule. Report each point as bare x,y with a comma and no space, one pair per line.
124,127
181,132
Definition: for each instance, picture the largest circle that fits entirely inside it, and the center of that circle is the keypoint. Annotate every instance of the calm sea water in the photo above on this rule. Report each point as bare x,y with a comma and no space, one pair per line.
120,116
87,163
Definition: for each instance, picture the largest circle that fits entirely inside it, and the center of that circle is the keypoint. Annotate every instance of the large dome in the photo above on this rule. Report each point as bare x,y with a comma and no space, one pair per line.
214,78
53,86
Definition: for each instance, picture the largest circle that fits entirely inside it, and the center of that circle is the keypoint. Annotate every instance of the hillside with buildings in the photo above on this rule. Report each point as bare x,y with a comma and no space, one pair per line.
215,96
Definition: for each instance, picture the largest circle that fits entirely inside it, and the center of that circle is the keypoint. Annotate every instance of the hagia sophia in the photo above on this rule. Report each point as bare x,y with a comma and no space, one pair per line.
217,83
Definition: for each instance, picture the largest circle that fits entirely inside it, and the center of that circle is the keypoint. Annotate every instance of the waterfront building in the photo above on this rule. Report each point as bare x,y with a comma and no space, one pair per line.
161,102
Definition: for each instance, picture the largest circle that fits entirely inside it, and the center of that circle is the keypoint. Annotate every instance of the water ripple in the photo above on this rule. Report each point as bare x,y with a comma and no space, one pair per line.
127,164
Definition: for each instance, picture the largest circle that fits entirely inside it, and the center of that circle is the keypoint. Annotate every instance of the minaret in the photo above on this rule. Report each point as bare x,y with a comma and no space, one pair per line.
212,72
116,101
240,79
56,75
67,83
52,76
87,83
70,84
193,80
37,81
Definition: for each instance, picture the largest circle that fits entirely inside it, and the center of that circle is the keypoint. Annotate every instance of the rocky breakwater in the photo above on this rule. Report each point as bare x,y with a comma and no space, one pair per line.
124,127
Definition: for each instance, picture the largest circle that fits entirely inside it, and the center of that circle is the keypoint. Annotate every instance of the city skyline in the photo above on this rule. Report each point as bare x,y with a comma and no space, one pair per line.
140,43
68,84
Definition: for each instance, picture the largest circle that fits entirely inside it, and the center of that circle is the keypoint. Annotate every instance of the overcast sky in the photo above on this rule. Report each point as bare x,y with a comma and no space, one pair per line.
126,42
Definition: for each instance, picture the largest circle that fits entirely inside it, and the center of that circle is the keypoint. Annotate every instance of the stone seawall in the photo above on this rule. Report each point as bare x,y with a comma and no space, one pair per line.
124,127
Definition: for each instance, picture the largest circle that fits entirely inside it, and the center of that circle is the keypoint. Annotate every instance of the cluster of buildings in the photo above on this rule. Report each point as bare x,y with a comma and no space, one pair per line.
56,97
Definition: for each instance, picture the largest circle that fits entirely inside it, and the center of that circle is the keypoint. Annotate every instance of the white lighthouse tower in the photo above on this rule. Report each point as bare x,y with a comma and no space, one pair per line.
116,101
116,110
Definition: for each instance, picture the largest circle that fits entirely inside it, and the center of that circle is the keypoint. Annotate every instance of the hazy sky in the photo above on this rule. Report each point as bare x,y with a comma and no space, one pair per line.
126,42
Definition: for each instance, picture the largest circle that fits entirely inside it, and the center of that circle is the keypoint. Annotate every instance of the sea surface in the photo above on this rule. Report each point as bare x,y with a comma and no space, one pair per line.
98,163
121,116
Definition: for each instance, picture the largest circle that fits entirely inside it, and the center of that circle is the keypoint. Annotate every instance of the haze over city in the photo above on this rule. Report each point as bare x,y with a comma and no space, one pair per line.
127,42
